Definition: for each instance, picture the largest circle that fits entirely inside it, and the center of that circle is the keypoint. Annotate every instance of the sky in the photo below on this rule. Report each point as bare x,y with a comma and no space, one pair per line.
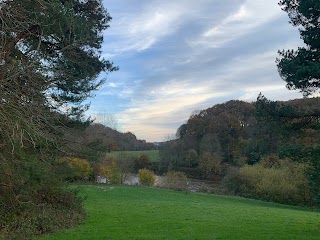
179,56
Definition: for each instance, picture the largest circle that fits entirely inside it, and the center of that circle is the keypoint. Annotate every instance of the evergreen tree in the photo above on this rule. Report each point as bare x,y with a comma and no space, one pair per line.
49,63
301,68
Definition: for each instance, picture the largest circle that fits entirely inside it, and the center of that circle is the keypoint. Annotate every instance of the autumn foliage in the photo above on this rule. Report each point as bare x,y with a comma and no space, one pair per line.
80,168
146,177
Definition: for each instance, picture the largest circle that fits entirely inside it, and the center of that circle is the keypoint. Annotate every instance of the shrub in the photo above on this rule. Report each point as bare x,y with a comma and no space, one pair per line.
143,161
270,161
52,209
283,182
80,168
232,181
191,158
210,164
100,169
146,177
175,180
108,169
125,165
113,173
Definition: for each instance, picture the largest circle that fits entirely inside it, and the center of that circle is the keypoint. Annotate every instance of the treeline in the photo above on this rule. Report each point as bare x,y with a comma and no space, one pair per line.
218,142
93,141
86,155
114,140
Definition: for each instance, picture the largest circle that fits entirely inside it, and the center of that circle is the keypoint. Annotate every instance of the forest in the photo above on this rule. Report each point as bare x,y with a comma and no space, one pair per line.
252,148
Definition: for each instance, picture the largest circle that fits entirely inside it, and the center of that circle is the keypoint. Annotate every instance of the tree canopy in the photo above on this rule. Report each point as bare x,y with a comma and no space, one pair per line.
51,49
50,61
301,68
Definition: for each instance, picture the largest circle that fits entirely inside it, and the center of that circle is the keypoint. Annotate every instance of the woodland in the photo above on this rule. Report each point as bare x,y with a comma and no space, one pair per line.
266,150
50,60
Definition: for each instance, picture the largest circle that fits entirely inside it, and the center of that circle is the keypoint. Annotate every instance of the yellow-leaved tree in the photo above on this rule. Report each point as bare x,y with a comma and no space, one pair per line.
80,167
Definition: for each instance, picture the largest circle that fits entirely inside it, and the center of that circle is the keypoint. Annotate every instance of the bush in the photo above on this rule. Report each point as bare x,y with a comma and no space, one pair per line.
143,161
113,173
80,168
108,169
146,177
232,181
175,180
51,210
210,164
125,165
283,182
100,169
192,158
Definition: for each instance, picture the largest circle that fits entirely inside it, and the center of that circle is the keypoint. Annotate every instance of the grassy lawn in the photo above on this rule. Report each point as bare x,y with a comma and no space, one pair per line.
153,154
146,213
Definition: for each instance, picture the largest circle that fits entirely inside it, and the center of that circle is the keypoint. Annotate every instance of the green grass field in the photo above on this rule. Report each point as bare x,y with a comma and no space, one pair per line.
145,213
153,154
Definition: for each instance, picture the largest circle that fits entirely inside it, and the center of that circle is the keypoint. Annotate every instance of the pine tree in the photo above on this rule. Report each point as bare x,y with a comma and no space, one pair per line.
301,68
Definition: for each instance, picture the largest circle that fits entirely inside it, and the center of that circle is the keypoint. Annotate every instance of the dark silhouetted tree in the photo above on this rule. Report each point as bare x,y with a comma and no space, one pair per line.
301,68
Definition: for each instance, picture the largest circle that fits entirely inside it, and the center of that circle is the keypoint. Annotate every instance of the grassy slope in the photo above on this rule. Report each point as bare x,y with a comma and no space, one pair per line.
153,154
144,213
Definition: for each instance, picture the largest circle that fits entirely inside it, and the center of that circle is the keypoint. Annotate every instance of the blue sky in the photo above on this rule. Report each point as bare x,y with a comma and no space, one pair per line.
179,56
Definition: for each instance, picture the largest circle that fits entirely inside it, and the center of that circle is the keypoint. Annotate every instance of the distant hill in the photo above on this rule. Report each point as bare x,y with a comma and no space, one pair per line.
238,132
115,140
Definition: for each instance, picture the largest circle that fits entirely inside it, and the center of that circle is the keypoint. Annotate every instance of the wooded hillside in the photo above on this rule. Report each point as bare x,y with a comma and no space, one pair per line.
225,138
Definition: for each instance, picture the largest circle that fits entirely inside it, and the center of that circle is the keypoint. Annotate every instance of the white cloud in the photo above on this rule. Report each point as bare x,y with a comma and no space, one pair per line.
250,15
140,30
107,93
112,84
